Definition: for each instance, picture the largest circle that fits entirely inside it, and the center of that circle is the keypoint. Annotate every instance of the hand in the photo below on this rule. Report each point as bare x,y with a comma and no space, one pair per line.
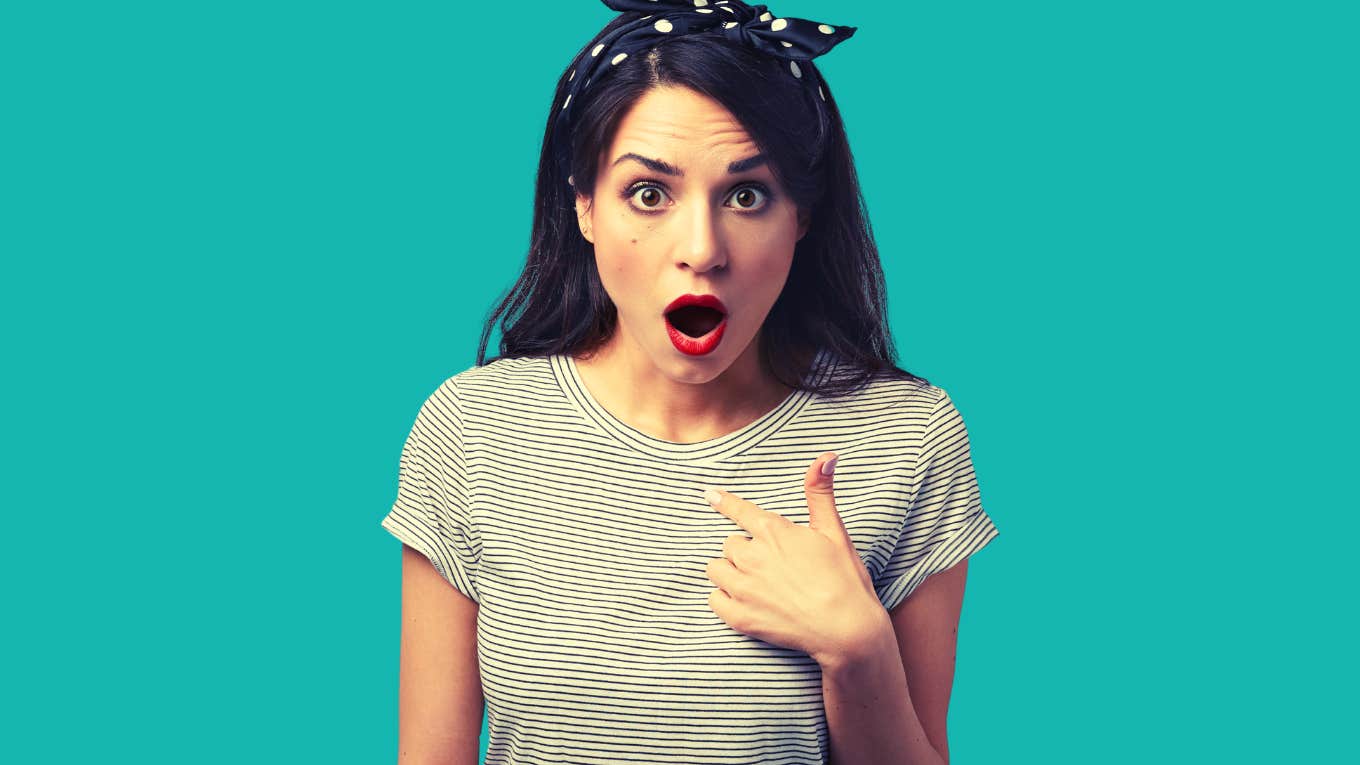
795,586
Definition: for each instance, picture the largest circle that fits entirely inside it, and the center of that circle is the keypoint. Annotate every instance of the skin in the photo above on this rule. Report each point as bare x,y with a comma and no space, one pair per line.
706,232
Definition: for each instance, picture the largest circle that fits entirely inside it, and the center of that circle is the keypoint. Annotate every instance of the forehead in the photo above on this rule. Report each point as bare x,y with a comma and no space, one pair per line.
681,126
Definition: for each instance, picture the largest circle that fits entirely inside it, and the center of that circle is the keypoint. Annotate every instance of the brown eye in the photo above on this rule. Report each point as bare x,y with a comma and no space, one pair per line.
644,197
748,197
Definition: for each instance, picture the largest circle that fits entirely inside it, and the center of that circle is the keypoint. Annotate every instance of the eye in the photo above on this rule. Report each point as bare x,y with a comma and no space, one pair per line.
748,197
644,196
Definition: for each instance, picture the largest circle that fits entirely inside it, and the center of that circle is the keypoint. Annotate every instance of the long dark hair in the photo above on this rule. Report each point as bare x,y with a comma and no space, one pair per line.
834,297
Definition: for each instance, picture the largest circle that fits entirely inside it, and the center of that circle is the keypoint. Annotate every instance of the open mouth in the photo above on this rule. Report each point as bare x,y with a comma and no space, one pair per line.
695,320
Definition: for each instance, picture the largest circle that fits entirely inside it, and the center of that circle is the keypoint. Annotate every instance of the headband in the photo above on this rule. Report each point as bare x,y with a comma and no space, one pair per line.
788,38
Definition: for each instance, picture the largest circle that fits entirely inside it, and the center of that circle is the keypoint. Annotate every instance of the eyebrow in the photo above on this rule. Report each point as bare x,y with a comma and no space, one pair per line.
660,166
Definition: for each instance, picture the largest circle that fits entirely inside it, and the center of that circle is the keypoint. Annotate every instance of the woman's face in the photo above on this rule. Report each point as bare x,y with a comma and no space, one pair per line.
678,207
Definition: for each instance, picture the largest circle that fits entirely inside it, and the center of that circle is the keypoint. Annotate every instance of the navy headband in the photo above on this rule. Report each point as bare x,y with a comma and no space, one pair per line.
787,38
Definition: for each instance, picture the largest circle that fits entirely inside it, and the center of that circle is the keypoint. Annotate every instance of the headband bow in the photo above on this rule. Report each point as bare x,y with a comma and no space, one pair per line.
788,38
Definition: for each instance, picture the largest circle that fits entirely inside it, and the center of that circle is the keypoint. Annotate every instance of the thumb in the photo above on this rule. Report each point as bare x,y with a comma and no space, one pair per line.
823,515
821,497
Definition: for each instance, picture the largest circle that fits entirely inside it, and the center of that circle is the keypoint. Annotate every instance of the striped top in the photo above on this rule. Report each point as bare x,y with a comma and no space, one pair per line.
584,542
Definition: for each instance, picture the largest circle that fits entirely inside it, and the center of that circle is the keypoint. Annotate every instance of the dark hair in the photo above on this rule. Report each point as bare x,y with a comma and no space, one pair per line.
834,297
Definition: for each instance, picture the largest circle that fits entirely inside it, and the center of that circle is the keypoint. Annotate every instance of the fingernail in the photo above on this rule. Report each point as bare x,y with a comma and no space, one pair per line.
829,466
712,496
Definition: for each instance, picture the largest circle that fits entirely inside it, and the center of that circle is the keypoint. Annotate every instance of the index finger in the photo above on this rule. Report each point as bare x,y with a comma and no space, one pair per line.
747,515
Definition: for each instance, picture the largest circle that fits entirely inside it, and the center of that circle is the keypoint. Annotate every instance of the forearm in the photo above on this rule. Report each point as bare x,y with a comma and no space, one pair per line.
868,707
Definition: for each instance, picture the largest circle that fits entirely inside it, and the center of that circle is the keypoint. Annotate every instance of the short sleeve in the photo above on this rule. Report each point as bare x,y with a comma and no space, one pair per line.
944,522
431,510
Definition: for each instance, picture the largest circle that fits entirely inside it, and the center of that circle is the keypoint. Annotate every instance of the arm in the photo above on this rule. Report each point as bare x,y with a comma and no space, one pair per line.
440,697
889,701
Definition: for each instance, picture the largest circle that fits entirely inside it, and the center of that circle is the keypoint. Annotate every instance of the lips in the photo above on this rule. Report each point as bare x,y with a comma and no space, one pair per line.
695,315
706,301
695,323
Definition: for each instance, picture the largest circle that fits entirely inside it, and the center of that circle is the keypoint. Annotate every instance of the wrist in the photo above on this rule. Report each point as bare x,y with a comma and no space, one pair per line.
865,644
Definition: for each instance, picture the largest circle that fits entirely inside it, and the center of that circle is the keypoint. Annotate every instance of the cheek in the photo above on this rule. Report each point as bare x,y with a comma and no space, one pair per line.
620,234
623,242
772,236
622,271
768,251
769,263
776,275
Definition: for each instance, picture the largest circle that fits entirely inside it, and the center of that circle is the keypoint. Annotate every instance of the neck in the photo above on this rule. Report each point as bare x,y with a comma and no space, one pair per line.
686,402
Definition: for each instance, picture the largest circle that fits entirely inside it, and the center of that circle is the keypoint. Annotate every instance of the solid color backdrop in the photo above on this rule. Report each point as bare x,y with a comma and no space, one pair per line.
243,241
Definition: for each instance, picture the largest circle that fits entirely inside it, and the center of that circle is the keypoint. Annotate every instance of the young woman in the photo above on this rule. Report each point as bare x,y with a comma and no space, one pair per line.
702,308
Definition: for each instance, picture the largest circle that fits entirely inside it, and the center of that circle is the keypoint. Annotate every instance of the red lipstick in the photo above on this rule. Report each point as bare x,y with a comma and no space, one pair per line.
690,326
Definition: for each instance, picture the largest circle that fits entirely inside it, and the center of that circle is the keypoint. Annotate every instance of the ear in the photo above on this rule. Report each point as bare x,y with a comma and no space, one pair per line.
804,222
583,219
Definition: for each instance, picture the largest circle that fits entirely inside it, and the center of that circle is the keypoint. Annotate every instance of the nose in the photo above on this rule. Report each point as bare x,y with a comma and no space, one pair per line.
704,248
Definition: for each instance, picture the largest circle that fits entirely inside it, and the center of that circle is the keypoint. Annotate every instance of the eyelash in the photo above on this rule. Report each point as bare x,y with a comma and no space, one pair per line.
629,192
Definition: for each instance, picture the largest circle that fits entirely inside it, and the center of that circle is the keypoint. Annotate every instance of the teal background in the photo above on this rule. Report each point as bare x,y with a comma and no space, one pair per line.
243,241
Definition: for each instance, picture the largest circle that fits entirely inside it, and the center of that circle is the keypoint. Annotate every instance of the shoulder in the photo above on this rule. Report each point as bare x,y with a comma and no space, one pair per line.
903,401
914,404
899,419
502,376
499,395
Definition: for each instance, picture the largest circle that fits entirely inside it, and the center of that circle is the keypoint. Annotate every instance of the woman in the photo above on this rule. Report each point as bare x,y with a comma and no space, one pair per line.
701,308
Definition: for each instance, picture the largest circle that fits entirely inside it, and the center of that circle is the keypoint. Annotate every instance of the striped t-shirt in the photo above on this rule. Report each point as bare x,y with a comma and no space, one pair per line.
584,542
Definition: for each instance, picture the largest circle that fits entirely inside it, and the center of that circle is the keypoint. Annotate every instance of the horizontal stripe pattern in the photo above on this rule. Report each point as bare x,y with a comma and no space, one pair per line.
585,543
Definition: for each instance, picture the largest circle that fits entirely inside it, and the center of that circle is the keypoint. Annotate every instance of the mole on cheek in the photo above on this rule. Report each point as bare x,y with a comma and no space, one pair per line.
634,241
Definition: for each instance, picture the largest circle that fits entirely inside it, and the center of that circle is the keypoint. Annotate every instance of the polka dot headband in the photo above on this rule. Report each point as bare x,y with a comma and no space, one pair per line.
787,38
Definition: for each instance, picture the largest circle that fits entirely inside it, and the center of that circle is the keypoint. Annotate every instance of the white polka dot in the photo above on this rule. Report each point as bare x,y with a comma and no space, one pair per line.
571,180
700,3
564,103
793,66
618,58
824,29
766,16
729,24
729,10
571,76
786,44
663,25
597,50
820,93
778,24
703,10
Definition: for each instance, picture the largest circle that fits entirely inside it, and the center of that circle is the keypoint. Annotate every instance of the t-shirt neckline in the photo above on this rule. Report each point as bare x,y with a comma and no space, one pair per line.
745,437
